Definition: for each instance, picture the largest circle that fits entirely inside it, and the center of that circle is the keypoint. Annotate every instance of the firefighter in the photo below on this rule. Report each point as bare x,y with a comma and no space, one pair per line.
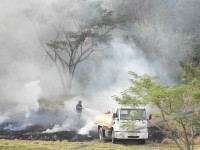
79,108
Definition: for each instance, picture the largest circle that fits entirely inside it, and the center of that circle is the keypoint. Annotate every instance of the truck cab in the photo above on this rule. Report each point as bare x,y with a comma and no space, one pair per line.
129,123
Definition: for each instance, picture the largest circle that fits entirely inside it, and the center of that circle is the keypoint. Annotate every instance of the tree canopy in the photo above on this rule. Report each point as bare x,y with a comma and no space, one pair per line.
69,48
177,104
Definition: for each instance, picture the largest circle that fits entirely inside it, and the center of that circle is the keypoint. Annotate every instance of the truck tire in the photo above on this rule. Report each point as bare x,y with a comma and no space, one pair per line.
101,133
143,141
113,137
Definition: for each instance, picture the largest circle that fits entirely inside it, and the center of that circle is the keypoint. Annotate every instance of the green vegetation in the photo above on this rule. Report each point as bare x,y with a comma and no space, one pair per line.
178,104
64,145
52,104
32,145
77,46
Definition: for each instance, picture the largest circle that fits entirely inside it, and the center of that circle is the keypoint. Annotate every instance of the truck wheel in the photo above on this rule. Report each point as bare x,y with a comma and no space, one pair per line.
113,137
101,133
142,141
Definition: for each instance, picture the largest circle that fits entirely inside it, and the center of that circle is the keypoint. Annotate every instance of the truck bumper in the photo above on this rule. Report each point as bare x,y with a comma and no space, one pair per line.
130,135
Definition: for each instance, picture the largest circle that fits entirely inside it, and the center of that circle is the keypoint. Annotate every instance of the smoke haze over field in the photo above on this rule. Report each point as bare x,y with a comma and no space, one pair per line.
158,35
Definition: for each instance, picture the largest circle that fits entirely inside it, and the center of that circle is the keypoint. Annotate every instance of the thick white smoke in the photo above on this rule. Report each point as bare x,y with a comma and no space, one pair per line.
26,71
23,105
28,98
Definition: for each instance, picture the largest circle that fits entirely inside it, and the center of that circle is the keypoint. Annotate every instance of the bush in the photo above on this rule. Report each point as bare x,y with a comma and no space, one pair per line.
167,141
197,140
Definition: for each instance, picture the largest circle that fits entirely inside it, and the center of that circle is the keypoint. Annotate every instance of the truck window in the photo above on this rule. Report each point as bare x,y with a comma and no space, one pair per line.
133,114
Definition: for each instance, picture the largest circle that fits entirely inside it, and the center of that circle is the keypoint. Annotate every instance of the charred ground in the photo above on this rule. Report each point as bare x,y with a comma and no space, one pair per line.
35,132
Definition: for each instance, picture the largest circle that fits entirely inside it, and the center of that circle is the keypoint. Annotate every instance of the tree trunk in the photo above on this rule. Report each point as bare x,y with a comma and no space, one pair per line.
62,79
69,78
186,137
163,116
192,138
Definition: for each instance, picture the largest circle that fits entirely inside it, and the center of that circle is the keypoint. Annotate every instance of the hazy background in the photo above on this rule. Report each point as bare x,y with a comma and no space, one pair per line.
157,37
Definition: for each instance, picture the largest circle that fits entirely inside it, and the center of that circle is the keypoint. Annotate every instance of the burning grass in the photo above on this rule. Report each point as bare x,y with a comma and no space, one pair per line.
32,138
64,135
35,132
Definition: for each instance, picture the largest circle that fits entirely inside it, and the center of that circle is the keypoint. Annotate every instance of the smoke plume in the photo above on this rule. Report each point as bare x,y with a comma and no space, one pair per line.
157,36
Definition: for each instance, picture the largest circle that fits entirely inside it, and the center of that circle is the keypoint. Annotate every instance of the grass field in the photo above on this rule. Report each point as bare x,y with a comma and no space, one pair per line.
65,145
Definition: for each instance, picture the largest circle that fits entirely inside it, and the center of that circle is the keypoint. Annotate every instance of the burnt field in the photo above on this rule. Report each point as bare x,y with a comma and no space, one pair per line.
35,132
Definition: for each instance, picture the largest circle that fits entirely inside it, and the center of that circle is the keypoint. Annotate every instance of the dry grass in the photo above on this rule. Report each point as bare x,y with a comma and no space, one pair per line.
36,145
197,140
167,141
65,145
170,141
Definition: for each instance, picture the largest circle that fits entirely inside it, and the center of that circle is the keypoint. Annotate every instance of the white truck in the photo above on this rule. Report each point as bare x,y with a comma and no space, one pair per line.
125,123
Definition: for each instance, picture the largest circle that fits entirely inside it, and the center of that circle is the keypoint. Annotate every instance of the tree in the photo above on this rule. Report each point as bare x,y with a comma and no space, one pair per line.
178,105
70,48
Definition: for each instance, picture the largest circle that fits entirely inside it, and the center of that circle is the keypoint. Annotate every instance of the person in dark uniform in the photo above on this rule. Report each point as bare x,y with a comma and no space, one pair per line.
79,108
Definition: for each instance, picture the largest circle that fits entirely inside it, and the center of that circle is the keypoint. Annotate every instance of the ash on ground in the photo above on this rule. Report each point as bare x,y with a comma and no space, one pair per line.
36,132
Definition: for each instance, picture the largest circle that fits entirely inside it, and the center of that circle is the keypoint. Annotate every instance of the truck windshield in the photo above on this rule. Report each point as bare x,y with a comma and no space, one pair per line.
133,114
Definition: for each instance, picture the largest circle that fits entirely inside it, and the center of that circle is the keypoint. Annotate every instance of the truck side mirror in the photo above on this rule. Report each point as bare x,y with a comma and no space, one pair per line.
114,115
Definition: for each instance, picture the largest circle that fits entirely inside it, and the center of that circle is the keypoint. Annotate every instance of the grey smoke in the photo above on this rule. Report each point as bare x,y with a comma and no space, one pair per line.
164,30
157,37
